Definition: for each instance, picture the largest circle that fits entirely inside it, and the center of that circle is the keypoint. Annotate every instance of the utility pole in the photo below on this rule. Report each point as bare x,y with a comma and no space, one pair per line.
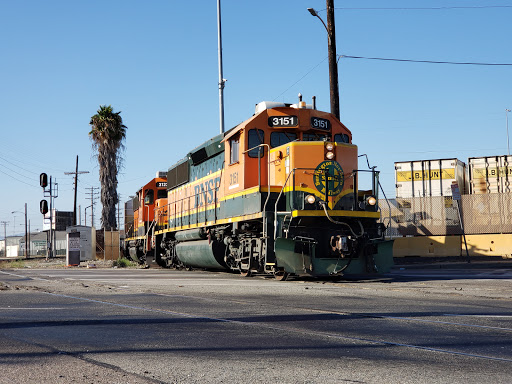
76,173
4,223
92,193
333,65
118,212
27,246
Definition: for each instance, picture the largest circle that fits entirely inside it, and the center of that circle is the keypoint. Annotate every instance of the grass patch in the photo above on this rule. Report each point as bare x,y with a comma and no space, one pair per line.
122,263
12,264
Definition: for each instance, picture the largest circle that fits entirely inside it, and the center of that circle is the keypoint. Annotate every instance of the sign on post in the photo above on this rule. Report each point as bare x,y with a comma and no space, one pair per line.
455,191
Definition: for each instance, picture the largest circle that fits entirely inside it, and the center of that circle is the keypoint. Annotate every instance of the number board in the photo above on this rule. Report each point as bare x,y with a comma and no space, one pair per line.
283,121
161,184
319,123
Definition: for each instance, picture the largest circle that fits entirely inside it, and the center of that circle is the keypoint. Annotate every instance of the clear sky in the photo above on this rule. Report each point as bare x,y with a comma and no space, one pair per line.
156,61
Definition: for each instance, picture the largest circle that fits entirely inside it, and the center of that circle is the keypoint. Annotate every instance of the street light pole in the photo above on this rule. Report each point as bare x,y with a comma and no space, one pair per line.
333,65
222,81
508,143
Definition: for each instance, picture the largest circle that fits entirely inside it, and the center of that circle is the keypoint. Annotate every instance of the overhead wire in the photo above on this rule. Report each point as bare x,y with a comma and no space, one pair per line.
419,8
422,61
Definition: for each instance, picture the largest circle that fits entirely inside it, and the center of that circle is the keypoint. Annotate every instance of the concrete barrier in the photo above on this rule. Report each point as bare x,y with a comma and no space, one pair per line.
499,245
427,246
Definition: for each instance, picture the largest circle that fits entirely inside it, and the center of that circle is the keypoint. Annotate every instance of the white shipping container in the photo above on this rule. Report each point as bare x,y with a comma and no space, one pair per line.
490,174
424,178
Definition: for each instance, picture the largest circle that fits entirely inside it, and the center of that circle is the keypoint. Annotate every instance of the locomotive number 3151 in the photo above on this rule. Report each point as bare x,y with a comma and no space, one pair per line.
319,123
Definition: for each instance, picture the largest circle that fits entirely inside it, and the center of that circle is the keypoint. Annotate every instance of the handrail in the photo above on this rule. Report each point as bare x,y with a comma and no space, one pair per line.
281,193
196,206
264,215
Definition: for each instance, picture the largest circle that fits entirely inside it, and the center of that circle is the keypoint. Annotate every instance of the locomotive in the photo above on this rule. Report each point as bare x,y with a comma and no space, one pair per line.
277,194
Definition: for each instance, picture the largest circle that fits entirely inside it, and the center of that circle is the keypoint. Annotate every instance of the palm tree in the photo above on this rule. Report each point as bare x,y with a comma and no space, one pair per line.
107,135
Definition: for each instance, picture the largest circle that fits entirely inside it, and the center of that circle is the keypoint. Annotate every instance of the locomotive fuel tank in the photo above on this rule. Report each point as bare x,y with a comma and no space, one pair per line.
195,250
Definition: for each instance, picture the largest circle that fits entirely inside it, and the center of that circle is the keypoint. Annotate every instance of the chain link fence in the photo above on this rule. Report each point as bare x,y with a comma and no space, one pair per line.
439,216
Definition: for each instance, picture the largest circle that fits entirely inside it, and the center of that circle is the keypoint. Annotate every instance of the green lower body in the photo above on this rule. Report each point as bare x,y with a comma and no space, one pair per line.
304,261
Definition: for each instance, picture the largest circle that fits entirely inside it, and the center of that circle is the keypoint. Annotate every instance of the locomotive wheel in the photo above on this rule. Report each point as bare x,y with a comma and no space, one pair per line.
280,275
246,273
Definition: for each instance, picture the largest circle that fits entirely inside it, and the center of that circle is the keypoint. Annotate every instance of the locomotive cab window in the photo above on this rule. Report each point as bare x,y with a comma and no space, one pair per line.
280,138
256,137
341,138
234,145
149,196
161,194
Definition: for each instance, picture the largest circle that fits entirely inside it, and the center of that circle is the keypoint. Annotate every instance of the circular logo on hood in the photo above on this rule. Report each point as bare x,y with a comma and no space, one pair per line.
329,174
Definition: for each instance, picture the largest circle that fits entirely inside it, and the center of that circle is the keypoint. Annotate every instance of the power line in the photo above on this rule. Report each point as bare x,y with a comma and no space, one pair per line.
21,181
307,73
421,61
419,8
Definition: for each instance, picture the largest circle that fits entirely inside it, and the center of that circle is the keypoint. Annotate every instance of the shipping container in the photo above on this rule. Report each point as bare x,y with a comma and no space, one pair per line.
423,178
490,174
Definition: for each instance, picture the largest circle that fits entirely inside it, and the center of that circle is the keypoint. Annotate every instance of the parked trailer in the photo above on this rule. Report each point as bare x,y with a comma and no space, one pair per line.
490,174
423,178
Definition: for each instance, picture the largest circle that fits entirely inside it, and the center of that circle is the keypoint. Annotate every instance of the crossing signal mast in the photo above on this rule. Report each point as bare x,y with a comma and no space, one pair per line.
51,192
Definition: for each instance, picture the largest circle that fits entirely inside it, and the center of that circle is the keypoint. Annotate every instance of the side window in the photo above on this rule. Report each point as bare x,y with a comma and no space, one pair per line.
161,194
341,138
256,137
234,144
149,196
280,138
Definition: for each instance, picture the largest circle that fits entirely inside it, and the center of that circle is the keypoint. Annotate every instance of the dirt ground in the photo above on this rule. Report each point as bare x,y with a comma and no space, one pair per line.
57,262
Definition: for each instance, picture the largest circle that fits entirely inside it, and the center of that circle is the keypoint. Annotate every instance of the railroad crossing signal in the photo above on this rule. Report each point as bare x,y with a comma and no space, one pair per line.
43,180
43,207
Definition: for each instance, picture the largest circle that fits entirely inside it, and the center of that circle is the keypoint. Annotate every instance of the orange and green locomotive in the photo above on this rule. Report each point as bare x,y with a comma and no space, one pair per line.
140,216
278,194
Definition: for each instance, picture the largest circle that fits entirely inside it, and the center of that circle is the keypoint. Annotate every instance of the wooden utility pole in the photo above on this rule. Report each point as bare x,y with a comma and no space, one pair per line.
76,173
92,193
333,64
27,244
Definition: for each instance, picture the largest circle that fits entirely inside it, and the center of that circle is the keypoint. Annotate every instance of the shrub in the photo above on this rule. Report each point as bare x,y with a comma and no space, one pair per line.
122,262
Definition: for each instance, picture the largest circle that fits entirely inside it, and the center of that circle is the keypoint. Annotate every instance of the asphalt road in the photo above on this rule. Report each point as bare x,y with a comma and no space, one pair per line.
145,326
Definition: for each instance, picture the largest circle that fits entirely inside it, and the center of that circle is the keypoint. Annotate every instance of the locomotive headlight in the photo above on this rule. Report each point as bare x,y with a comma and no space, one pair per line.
310,199
329,146
371,200
329,155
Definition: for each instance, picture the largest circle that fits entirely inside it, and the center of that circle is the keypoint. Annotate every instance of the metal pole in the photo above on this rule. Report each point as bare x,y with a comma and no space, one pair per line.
50,250
508,143
463,232
222,81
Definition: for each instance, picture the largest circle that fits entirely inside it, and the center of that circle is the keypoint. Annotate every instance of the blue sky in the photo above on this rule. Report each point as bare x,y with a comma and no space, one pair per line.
156,61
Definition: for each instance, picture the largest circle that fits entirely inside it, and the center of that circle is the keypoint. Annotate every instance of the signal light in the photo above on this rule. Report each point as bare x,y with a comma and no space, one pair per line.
43,207
43,180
